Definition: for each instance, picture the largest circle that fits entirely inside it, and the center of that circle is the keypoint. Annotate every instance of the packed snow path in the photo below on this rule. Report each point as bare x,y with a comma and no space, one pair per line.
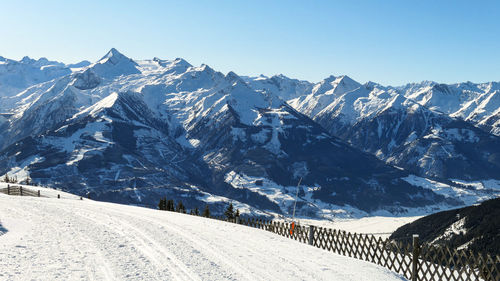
64,239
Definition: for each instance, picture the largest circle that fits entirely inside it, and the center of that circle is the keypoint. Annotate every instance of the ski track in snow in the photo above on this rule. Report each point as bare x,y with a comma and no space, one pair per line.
63,239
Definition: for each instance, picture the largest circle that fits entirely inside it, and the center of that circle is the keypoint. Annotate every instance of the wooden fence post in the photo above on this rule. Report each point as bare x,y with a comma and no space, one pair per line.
311,235
38,193
8,189
416,250
21,190
58,196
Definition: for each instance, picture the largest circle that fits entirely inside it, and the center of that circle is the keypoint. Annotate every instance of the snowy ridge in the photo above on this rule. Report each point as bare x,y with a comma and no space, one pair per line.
15,76
472,102
279,84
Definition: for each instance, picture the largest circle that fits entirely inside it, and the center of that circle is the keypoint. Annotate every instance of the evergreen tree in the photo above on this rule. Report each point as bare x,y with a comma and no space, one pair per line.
180,208
6,178
28,180
163,204
229,212
206,212
237,214
170,205
196,211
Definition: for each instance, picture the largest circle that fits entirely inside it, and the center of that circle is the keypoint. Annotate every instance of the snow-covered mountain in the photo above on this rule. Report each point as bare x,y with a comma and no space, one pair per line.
15,76
476,103
133,131
404,128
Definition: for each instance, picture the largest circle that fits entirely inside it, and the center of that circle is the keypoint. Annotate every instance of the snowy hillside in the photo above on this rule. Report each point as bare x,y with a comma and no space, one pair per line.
474,228
64,239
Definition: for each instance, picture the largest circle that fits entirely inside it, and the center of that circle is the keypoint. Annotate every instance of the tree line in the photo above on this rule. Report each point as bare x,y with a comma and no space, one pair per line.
13,179
169,205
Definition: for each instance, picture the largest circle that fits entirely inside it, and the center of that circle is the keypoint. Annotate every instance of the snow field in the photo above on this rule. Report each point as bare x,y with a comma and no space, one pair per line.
57,239
377,226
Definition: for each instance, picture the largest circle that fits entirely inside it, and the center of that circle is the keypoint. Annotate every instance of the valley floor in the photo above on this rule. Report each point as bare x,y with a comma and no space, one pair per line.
68,239
378,226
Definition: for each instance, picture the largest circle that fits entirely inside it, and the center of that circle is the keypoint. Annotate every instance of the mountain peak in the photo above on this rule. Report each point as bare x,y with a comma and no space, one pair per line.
204,68
336,85
370,85
233,76
113,52
182,63
27,60
347,79
280,76
329,79
114,64
114,57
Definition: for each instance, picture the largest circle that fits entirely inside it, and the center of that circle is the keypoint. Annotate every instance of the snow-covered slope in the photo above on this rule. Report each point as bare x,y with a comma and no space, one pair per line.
473,228
58,239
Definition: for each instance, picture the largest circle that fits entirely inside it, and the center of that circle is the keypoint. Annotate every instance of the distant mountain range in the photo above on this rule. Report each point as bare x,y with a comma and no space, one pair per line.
133,131
417,127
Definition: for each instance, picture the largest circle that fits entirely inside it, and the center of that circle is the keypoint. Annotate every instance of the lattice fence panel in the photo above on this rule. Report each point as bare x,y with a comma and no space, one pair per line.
434,263
443,263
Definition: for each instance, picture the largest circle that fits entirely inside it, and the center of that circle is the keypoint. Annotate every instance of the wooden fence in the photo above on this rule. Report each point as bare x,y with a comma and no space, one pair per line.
413,260
20,191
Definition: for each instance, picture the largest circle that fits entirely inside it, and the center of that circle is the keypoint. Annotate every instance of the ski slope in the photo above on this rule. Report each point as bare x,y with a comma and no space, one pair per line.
71,239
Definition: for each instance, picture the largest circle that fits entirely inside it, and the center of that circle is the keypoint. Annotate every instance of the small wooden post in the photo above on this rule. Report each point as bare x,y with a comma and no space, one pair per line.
58,196
8,189
81,198
38,193
311,235
416,253
21,190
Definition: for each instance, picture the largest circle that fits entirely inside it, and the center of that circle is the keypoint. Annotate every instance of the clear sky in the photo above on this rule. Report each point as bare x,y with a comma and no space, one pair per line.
390,42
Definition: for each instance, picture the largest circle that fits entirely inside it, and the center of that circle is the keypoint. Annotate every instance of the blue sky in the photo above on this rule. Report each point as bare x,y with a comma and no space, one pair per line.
390,42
